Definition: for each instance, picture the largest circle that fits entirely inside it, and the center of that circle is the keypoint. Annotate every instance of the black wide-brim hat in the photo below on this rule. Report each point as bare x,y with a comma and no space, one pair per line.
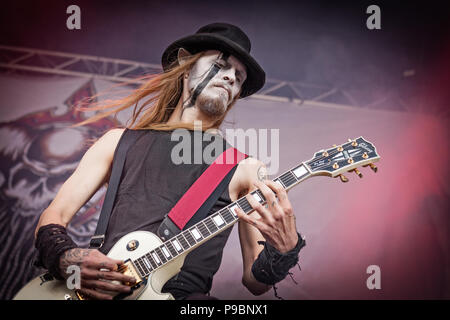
225,38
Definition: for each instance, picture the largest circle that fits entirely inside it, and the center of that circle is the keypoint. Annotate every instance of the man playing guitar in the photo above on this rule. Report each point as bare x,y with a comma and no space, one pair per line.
204,75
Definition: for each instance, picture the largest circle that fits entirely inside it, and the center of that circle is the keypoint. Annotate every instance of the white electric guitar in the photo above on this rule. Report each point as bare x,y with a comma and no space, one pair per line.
153,262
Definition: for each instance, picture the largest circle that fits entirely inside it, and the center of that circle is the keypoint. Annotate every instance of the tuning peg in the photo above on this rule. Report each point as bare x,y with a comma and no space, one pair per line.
372,166
343,178
357,172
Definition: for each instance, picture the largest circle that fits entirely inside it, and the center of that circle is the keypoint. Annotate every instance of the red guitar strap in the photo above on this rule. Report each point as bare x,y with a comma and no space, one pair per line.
201,191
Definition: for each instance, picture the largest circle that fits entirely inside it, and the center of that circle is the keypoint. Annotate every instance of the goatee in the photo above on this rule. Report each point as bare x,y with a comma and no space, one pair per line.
211,106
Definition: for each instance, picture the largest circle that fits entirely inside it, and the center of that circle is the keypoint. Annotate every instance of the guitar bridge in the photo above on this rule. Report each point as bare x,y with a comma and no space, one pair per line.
129,270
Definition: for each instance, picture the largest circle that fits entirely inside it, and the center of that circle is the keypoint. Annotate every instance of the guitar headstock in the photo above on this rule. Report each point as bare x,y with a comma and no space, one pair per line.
343,158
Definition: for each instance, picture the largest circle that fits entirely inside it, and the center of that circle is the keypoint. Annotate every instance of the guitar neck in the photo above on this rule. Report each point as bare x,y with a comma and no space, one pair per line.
212,225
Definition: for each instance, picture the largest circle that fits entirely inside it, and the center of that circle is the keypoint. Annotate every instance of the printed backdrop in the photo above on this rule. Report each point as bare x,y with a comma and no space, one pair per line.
395,219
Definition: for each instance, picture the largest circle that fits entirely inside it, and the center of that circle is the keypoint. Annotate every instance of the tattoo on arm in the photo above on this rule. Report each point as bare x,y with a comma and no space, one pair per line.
72,257
262,173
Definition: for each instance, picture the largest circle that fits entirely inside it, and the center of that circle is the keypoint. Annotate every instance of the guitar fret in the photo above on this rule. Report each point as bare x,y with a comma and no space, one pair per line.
233,207
183,241
218,220
143,267
279,182
226,214
155,257
256,196
166,252
160,255
190,239
149,267
177,245
152,262
172,250
211,226
196,233
137,267
288,179
259,193
300,171
221,216
203,230
243,203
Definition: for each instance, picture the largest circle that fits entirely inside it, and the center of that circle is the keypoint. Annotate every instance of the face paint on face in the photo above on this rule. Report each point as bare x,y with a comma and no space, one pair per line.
213,70
214,82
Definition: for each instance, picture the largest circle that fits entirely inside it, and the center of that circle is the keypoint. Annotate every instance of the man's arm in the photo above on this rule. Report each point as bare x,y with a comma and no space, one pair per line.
274,223
92,172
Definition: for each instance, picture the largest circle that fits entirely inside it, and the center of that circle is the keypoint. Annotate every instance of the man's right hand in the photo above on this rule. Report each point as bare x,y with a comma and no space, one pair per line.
95,268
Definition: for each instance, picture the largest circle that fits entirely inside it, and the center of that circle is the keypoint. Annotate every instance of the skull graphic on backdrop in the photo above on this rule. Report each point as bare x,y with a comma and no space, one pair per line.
38,152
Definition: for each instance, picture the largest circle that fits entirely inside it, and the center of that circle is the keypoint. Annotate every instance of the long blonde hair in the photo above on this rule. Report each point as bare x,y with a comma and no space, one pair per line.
163,90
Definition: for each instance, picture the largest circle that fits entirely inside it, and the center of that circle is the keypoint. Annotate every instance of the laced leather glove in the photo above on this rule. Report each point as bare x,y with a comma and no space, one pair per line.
272,266
52,241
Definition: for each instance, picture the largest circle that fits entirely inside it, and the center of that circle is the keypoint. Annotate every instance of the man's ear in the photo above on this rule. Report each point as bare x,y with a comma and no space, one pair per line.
183,54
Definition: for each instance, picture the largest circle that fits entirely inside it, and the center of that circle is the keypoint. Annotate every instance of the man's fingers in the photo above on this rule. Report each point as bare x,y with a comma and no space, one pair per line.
244,217
258,206
107,275
105,285
116,276
106,263
283,201
95,294
266,191
281,193
250,220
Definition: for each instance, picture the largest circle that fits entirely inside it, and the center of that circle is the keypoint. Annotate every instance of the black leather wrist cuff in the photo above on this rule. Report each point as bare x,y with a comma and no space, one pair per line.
272,266
52,241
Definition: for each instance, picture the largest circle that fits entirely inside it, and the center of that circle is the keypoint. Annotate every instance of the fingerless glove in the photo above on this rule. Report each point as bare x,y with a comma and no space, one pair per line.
272,266
52,241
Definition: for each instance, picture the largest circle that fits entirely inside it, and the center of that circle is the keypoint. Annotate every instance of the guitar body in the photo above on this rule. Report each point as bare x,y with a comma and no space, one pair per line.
39,289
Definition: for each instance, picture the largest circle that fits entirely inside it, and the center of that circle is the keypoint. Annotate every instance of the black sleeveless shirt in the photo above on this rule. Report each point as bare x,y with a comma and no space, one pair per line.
151,184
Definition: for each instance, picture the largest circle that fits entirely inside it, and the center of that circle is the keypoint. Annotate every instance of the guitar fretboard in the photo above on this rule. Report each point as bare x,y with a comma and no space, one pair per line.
212,225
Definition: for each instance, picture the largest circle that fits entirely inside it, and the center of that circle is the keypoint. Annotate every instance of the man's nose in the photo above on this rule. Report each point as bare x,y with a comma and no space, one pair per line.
229,75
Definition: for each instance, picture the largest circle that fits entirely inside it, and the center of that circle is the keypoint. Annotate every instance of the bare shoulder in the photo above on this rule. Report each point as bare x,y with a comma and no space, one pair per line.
110,139
113,134
103,149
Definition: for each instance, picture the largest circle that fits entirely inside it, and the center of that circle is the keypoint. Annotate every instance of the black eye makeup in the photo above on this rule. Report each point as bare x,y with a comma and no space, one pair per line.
221,63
